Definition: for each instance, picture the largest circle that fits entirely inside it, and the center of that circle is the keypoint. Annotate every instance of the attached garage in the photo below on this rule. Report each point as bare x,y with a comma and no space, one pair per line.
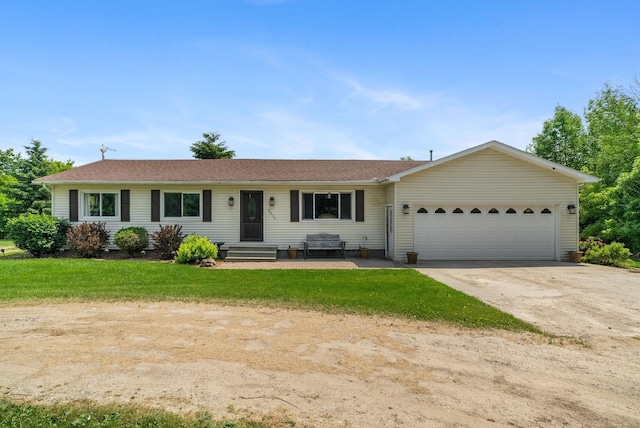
490,202
485,232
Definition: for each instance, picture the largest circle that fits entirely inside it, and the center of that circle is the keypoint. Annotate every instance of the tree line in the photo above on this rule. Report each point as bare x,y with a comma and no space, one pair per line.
18,195
604,142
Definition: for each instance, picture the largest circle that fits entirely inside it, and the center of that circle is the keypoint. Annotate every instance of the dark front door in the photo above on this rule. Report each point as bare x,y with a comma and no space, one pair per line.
251,215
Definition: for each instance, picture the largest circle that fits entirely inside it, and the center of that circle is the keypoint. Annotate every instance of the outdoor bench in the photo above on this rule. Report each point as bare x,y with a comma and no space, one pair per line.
323,242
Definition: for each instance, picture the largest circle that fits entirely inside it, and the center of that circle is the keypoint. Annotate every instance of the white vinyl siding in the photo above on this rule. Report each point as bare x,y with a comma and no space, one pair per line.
225,224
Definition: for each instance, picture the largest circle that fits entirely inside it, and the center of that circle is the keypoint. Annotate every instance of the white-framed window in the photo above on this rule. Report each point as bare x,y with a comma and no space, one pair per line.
101,204
327,206
181,204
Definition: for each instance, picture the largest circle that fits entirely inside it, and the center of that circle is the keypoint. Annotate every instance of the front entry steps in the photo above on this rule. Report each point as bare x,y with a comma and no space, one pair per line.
251,253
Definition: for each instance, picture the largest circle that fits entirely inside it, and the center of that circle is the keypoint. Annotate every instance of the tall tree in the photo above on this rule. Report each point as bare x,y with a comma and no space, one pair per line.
562,140
26,196
625,224
209,148
613,130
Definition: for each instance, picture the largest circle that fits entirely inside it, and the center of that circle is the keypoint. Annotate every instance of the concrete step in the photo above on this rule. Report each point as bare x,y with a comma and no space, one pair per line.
251,253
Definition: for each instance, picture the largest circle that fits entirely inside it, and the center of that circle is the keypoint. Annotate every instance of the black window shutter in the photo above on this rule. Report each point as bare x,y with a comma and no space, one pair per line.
155,205
359,205
73,205
295,205
206,205
125,199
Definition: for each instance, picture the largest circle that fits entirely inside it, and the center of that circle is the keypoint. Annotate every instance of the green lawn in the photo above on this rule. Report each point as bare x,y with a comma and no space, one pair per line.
390,292
75,415
9,248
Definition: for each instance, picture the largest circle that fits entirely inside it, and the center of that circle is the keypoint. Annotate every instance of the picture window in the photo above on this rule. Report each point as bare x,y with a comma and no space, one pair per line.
181,204
327,206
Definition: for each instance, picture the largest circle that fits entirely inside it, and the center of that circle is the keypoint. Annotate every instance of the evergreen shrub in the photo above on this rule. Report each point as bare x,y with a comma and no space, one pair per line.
131,239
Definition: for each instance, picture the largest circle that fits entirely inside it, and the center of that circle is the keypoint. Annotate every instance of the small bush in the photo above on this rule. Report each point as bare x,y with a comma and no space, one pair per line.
614,254
87,240
195,248
39,234
167,240
131,239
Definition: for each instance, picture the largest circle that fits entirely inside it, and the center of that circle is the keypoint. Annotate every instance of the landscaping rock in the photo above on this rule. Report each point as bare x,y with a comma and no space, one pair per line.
207,263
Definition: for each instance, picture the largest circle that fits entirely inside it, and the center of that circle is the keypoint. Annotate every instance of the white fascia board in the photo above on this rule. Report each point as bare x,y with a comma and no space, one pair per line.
214,182
580,177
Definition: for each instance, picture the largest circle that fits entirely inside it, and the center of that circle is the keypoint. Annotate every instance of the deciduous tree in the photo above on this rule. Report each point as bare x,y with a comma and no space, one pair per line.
562,140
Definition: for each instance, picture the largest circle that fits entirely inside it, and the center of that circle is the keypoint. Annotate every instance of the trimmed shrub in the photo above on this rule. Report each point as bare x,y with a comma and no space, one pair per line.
87,239
131,239
614,254
39,234
167,240
196,248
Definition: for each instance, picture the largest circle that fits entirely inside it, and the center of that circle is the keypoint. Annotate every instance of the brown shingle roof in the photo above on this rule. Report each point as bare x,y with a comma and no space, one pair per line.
231,170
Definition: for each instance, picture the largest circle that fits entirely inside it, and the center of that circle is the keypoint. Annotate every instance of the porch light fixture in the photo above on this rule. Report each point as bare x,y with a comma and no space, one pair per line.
230,201
571,208
272,201
405,209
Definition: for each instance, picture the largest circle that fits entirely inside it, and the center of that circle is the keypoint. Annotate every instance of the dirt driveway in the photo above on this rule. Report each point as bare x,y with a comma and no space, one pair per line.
333,370
561,298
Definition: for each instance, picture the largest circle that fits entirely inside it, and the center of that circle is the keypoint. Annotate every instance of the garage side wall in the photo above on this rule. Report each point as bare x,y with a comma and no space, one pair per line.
485,178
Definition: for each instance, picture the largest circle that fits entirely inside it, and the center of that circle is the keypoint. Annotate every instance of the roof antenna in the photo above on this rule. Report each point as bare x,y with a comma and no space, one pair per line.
430,155
104,149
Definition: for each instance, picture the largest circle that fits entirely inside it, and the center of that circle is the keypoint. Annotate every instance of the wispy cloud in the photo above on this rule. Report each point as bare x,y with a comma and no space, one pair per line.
380,98
293,135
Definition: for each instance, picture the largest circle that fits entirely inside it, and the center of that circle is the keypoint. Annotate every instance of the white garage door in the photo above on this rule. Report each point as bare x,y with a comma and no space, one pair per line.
485,233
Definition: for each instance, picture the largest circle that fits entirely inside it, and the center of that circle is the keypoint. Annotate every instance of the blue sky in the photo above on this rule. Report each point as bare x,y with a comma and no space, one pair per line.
302,79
